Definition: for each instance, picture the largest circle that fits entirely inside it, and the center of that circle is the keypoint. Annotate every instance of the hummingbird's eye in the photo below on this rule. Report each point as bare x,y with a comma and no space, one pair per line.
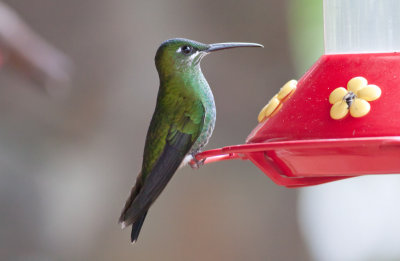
186,49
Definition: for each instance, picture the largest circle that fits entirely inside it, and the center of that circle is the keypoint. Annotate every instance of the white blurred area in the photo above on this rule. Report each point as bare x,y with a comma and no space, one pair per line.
352,220
68,161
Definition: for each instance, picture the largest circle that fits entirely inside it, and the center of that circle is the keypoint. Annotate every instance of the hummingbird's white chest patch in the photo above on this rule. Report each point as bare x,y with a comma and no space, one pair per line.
188,158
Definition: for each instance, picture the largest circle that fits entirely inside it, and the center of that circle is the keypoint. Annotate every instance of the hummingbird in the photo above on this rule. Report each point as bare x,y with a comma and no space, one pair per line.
182,123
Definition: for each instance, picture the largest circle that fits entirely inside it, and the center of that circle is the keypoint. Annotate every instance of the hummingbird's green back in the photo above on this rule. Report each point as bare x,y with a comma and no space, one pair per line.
180,100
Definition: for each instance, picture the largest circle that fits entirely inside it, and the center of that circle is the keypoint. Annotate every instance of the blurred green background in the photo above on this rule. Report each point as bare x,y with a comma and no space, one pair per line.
69,160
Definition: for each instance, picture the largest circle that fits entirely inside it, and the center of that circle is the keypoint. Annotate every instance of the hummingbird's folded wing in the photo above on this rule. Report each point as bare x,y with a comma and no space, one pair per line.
181,136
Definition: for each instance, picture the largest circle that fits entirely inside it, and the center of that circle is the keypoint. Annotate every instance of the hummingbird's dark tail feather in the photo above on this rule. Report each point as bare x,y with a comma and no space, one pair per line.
144,193
134,192
136,227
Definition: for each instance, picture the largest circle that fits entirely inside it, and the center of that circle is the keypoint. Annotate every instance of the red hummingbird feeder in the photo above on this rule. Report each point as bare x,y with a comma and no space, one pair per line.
342,118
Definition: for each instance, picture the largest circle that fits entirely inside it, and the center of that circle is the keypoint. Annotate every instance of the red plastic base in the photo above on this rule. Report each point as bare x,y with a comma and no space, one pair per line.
305,115
310,162
301,145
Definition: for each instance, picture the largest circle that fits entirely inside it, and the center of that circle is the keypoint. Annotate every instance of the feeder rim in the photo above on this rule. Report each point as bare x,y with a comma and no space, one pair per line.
240,151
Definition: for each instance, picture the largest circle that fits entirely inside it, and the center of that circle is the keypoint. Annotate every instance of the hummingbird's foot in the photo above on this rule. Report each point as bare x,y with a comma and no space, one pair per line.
195,164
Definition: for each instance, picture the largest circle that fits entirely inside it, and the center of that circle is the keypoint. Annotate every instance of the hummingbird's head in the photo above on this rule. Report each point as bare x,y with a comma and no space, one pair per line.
184,55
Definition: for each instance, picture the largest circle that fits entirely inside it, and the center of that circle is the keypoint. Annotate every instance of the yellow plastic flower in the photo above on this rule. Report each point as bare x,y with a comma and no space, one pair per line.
354,99
276,102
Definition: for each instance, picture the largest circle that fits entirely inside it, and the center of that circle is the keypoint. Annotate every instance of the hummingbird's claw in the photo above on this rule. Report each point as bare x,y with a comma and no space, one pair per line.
195,163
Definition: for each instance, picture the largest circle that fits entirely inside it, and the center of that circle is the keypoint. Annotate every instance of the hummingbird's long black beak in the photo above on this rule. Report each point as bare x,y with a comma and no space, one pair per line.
222,46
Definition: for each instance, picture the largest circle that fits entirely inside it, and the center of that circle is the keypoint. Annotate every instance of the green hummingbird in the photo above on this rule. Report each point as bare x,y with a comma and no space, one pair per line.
182,123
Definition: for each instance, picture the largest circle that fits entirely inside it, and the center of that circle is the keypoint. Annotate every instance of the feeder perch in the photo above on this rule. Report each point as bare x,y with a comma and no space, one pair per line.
341,119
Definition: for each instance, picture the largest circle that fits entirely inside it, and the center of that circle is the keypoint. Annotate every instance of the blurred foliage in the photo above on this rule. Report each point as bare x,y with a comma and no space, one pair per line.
306,33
